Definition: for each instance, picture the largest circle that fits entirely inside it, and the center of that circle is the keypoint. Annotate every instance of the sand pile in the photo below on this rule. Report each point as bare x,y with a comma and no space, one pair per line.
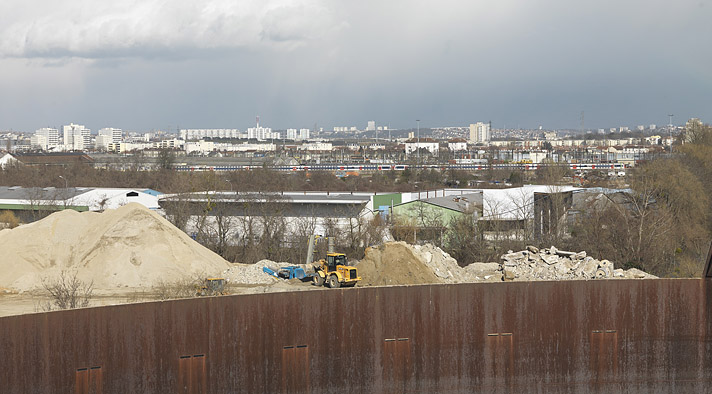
398,263
126,247
394,263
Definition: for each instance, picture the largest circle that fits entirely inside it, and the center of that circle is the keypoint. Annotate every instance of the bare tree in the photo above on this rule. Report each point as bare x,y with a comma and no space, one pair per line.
67,292
465,241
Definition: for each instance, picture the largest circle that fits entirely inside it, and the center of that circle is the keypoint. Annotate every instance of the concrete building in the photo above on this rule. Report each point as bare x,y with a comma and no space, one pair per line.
45,138
479,132
199,146
298,135
457,145
304,134
114,134
413,145
38,142
262,133
371,126
316,147
198,134
103,142
76,137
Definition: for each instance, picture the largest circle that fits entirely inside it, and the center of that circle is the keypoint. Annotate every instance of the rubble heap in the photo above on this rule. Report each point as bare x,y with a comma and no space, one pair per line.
446,268
252,274
554,264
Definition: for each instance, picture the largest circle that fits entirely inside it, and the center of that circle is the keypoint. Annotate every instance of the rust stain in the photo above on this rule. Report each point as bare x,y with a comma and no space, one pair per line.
633,336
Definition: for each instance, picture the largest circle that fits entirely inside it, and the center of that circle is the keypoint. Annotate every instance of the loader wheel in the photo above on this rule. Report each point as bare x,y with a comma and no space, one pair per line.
334,282
317,280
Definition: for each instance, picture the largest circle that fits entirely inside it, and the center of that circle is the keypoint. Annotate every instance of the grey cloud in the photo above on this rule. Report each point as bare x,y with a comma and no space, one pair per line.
134,28
219,63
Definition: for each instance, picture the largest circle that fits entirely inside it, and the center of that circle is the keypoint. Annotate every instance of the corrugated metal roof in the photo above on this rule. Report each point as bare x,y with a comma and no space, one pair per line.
457,203
294,198
38,193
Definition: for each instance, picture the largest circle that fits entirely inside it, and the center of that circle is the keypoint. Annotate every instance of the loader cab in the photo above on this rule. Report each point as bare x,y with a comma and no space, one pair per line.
334,259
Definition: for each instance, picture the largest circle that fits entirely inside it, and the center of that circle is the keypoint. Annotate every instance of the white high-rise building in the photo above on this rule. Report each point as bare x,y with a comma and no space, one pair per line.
261,133
76,137
48,137
371,125
304,134
298,135
114,134
292,134
479,132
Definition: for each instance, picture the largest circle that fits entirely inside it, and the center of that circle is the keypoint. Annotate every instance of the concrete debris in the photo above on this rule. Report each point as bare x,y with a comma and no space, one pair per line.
554,264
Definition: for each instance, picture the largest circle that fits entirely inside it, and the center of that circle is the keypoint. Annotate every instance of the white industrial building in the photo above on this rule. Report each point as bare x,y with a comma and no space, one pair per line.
306,211
24,201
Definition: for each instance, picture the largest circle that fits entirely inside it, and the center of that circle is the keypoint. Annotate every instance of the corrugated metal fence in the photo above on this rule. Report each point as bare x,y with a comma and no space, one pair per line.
579,336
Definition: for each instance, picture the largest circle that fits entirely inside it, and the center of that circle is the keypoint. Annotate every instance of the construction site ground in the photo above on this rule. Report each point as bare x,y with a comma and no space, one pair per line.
132,254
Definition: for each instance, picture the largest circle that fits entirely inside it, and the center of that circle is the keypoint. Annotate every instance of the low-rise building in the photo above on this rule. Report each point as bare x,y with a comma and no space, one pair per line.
30,204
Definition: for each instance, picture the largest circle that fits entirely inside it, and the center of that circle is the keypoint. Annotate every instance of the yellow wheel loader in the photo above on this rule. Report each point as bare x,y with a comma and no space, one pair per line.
334,272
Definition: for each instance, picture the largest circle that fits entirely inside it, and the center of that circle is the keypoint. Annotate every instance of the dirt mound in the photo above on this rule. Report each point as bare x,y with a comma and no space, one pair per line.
394,263
126,247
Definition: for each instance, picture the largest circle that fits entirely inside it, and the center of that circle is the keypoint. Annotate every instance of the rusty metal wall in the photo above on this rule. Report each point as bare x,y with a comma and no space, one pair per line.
634,336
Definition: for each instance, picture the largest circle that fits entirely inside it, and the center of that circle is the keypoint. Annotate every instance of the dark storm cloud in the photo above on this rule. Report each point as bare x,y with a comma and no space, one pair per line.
150,64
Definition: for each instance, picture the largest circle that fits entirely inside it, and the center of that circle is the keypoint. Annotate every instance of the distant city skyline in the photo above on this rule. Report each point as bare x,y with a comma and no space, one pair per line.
176,130
142,65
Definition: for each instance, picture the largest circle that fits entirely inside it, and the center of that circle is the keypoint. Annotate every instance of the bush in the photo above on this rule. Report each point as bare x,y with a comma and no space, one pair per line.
9,219
67,292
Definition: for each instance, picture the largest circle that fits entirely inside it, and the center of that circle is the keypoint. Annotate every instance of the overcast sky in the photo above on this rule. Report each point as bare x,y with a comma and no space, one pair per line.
155,64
